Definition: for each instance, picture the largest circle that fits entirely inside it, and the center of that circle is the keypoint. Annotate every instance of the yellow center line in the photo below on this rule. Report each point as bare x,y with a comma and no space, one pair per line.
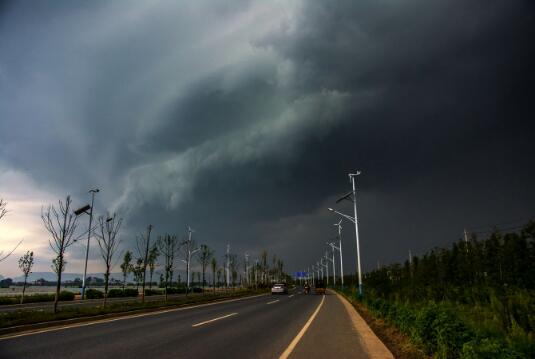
273,301
213,320
298,337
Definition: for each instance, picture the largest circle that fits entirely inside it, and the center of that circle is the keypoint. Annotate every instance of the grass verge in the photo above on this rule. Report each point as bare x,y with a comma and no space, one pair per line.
399,344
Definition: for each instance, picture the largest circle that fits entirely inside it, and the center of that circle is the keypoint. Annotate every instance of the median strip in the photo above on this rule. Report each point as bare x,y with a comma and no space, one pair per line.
273,301
213,320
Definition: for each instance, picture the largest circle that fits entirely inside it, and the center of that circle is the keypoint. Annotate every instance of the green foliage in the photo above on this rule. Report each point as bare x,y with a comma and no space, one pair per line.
473,300
64,295
153,292
119,293
94,294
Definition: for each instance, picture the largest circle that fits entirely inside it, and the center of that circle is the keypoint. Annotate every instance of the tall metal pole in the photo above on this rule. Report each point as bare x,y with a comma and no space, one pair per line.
352,178
340,247
93,191
326,265
334,268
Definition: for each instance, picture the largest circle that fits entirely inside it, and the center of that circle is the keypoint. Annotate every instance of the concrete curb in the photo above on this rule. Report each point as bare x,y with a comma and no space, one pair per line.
5,332
374,347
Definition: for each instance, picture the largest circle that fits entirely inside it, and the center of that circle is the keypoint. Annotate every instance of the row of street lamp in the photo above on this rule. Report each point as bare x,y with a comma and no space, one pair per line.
323,263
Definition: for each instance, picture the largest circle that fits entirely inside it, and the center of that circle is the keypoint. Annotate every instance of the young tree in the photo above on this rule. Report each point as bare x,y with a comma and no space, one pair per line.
61,224
213,264
189,248
168,245
126,266
204,259
153,256
264,257
25,265
219,273
233,264
143,248
108,243
137,270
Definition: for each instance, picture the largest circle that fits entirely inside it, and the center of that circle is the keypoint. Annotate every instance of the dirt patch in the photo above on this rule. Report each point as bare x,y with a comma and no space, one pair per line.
399,344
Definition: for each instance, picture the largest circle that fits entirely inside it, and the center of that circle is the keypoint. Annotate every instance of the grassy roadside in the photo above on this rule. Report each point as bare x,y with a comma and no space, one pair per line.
19,320
399,344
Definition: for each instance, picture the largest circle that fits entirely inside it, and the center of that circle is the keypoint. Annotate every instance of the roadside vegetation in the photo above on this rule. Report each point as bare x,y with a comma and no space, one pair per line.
473,300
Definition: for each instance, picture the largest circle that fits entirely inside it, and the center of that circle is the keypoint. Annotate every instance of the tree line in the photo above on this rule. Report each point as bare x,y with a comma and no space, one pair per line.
142,261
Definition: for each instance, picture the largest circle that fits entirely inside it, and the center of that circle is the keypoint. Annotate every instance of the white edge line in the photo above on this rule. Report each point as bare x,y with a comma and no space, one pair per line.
291,295
77,325
213,320
298,337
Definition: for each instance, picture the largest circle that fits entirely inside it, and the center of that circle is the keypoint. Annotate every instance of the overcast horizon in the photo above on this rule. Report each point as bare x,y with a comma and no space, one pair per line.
242,119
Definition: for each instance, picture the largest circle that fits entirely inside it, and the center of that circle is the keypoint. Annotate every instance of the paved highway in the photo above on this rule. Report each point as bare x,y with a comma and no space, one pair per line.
266,326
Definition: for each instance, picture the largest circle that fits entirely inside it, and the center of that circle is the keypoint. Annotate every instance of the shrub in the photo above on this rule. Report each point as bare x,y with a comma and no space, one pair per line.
487,349
130,292
153,292
65,295
115,293
94,294
176,290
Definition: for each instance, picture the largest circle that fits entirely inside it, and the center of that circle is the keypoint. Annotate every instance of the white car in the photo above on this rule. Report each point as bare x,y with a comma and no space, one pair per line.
279,288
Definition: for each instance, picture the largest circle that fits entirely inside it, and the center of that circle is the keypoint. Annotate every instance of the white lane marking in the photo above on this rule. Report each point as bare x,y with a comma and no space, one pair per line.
298,337
213,320
291,295
76,325
273,301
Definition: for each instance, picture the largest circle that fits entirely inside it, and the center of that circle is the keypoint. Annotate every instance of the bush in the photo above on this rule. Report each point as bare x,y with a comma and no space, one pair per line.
94,294
487,349
119,293
153,292
197,290
180,290
64,295
130,292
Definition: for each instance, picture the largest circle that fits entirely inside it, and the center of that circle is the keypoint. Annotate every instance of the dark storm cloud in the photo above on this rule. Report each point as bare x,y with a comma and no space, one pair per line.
243,120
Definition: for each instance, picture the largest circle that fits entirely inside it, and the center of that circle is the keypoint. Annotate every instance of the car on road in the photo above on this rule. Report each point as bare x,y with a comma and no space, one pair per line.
320,287
279,288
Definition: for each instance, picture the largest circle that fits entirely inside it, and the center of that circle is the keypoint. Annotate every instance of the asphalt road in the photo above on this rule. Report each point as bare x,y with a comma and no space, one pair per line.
259,327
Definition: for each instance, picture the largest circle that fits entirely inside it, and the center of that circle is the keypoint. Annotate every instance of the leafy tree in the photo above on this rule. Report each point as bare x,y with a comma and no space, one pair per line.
25,265
126,266
153,256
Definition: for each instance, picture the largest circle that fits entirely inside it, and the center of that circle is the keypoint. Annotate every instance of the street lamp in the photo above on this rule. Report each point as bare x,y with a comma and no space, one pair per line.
79,211
333,261
339,225
352,196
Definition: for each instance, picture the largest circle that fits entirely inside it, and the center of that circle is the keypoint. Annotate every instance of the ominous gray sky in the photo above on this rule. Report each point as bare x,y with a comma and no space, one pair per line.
243,118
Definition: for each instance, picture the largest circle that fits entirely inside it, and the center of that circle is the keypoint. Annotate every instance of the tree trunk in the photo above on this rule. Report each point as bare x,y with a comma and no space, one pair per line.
23,289
107,279
58,285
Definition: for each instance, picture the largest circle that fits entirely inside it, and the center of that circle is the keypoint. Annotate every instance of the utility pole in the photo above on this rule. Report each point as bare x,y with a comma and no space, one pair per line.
352,179
92,191
149,229
339,225
333,261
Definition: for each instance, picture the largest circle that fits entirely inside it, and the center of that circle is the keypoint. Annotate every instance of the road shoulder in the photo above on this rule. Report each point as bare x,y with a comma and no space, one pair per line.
373,346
